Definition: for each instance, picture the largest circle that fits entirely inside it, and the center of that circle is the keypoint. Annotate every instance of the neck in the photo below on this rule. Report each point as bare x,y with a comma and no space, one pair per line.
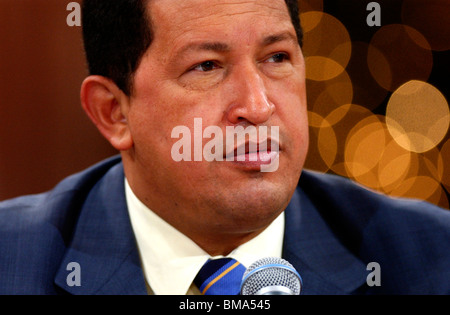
222,245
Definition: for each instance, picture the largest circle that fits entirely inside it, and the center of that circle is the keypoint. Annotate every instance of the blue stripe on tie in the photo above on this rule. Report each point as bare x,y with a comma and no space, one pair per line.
215,278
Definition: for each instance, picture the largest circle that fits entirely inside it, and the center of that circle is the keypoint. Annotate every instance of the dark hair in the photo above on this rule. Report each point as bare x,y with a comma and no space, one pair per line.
117,33
294,11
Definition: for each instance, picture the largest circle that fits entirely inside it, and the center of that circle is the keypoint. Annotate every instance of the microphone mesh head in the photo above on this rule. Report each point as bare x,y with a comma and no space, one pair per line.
268,272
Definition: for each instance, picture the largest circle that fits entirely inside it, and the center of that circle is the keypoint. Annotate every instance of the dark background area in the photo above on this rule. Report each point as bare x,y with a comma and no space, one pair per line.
44,133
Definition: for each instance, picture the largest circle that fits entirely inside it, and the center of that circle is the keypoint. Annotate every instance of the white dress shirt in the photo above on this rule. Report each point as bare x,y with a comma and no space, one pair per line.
171,260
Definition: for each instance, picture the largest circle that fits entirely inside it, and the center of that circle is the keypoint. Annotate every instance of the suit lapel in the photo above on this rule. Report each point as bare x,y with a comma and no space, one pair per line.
103,243
325,264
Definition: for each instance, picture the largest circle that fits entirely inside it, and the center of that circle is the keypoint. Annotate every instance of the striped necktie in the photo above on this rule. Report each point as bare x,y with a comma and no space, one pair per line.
220,277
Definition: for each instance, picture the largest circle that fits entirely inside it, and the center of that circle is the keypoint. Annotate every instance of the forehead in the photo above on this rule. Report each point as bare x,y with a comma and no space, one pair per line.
177,19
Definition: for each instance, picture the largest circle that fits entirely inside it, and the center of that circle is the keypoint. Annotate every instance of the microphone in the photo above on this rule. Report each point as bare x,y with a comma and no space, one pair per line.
271,276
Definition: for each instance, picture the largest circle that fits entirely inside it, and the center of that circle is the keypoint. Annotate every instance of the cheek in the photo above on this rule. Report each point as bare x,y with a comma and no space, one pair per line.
153,119
291,105
300,126
150,132
292,111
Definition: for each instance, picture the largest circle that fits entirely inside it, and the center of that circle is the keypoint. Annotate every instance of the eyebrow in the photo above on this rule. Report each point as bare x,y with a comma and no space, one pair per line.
284,36
208,46
223,47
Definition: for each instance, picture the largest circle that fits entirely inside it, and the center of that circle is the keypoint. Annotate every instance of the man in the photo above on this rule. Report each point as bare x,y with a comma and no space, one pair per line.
147,222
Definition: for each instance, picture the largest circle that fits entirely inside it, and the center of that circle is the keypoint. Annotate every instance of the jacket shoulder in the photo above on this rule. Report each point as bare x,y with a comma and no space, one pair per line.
349,196
36,229
28,212
408,238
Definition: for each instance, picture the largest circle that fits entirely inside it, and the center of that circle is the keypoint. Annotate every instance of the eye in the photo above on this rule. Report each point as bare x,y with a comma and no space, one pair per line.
206,66
278,58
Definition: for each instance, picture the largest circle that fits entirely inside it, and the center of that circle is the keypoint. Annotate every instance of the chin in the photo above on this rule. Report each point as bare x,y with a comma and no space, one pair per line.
254,208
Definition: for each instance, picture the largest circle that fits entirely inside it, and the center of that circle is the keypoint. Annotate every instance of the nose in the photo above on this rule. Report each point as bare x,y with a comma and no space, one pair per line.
249,101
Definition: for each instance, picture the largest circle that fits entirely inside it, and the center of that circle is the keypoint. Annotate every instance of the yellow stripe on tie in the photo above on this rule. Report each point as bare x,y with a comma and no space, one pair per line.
220,277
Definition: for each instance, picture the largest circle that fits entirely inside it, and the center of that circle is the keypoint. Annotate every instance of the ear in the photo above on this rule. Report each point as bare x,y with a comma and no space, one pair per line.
107,106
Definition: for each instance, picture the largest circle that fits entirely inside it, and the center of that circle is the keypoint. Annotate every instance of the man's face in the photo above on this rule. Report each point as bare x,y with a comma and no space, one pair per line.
230,63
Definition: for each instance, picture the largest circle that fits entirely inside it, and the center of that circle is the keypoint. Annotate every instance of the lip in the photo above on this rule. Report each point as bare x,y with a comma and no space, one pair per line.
254,154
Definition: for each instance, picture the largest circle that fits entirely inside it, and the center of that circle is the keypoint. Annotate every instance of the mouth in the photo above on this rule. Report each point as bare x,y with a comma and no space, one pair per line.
254,154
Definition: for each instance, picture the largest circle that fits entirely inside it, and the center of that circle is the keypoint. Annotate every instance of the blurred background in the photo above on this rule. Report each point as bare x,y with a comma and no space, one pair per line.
44,133
377,96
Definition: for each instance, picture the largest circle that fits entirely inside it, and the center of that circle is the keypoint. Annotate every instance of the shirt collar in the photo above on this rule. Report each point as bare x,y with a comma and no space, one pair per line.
171,260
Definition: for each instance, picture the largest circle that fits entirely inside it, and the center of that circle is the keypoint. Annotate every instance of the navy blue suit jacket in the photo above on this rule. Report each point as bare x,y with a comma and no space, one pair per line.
334,228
